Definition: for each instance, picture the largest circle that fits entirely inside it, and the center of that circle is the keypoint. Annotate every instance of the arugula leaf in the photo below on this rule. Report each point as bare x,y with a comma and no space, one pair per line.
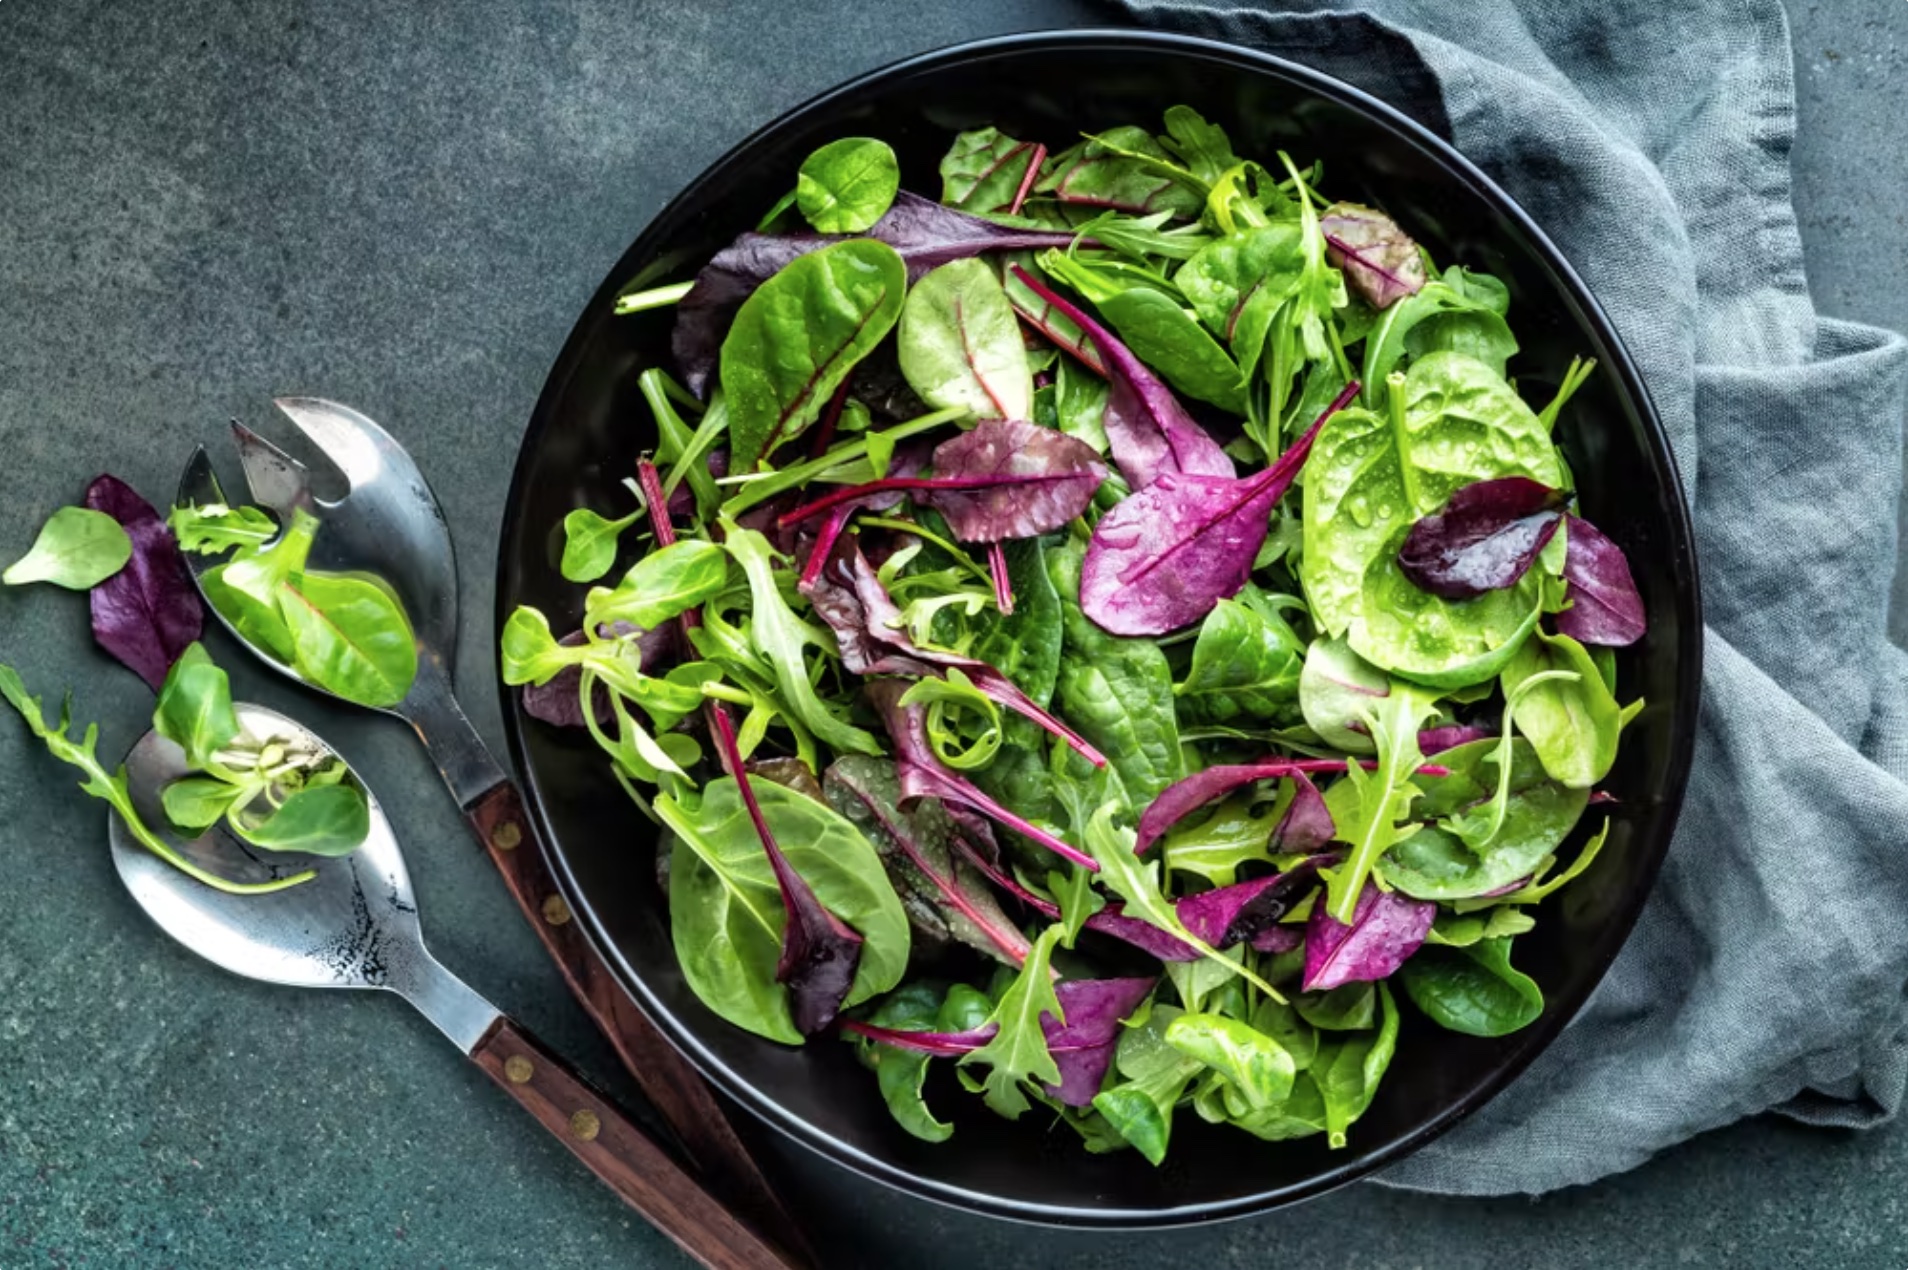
1018,1052
77,549
1384,797
214,527
847,185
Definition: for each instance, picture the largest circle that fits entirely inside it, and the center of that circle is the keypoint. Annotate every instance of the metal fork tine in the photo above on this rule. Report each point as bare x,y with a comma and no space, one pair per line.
277,480
199,485
360,448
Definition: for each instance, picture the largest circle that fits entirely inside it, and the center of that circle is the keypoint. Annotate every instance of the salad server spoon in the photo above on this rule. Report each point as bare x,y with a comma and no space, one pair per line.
389,524
355,925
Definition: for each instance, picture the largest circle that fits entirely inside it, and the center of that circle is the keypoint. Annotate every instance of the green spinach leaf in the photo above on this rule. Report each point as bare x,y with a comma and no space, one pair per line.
1472,989
1461,312
1245,664
1347,1071
1572,722
1171,341
847,185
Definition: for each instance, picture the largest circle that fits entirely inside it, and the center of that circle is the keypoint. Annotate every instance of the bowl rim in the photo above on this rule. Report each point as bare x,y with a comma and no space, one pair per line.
1681,557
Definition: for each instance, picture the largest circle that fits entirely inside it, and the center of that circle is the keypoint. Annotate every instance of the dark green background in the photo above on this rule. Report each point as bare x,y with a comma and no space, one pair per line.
403,206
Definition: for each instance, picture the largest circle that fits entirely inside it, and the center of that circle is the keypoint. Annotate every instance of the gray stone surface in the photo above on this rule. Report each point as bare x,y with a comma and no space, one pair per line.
403,206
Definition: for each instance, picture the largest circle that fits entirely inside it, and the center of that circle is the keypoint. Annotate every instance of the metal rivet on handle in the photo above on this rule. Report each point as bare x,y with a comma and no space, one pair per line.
585,1125
555,911
506,836
518,1070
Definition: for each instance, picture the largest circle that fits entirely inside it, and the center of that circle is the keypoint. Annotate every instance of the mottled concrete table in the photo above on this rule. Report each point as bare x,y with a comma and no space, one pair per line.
403,205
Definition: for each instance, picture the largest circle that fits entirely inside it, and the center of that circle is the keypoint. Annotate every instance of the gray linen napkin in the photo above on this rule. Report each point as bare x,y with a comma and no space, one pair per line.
1651,141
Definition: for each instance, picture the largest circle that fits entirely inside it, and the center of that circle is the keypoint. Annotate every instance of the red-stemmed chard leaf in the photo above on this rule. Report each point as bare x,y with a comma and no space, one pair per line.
1082,1047
1165,555
1150,432
1004,479
1183,797
924,776
1379,260
872,638
820,952
1385,929
1605,607
925,233
149,612
919,850
1485,539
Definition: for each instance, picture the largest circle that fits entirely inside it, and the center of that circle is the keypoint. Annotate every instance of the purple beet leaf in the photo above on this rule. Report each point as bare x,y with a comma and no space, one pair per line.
924,776
1605,607
1164,556
873,640
1004,479
925,233
1150,432
1379,260
1386,928
1450,736
1183,797
1485,539
945,896
1082,1047
1278,939
1307,824
937,1044
148,612
820,952
1240,913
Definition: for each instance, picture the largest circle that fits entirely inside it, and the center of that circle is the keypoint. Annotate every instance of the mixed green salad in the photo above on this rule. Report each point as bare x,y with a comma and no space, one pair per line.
1117,628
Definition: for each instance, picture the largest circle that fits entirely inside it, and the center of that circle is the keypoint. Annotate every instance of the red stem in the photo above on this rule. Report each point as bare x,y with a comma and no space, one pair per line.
1003,585
825,544
825,435
848,493
1027,181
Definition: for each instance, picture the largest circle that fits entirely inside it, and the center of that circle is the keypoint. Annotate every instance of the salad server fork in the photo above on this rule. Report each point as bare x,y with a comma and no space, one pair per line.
389,524
355,925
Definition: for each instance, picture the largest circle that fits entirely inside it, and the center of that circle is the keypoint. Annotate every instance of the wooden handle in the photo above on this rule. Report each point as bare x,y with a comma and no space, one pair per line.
619,1153
680,1095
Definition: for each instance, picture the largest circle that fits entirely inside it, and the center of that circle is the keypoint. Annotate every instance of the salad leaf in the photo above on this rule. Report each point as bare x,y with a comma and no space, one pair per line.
1165,337
901,1073
799,334
1150,432
1337,688
1166,555
944,895
959,343
1379,261
322,820
1153,1079
923,232
1242,912
1123,169
1245,664
987,171
1018,1052
1473,989
1025,646
1082,1046
1486,537
662,585
1383,798
77,548
349,637
244,589
1572,721
726,914
1462,312
1237,284
1604,607
210,528
149,612
1257,1071
1307,824
847,185
1210,784
589,544
194,709
1347,1072
1385,929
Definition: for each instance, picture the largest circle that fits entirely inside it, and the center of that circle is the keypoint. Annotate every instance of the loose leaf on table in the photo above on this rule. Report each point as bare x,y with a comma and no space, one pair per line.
797,337
1003,479
779,638
589,544
1164,556
349,637
847,185
1473,989
194,709
923,232
324,820
1380,800
662,585
960,345
1450,422
726,913
944,895
988,171
1117,692
1604,607
110,787
1385,929
1572,721
1379,261
1485,538
1150,432
1245,664
1153,1078
149,612
77,548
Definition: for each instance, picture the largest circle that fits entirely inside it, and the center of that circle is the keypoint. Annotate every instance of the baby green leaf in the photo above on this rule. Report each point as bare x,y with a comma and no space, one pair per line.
349,637
1347,1072
662,585
1258,1072
244,589
799,334
1018,1052
1572,722
589,544
900,1073
960,344
1154,1076
847,185
194,710
327,820
1171,341
1461,312
1246,664
1472,989
195,803
77,549
214,527
985,170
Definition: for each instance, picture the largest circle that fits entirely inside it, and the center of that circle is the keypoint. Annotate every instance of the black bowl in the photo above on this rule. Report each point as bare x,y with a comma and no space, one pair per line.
591,424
